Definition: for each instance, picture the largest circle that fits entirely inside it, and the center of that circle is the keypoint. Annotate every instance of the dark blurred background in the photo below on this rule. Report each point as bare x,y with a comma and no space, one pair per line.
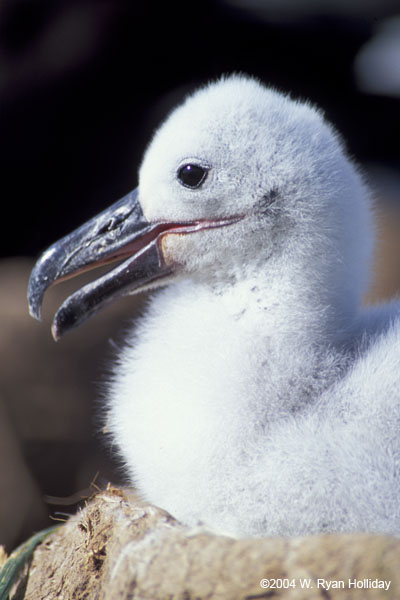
83,84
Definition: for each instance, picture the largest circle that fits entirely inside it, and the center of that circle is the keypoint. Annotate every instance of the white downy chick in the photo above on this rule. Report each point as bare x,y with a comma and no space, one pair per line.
256,395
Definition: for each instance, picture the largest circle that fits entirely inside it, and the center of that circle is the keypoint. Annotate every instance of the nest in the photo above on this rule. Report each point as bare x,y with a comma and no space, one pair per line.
119,547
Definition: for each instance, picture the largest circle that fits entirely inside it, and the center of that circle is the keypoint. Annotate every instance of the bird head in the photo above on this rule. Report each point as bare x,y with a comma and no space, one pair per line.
236,178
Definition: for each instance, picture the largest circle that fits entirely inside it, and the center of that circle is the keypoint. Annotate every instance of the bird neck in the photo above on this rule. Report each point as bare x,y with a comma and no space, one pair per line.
258,336
287,303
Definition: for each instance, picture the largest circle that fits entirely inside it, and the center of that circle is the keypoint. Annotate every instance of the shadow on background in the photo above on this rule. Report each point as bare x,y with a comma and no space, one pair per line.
83,84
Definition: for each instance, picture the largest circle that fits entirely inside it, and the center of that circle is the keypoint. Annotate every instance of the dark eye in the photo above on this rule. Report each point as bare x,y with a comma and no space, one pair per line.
192,176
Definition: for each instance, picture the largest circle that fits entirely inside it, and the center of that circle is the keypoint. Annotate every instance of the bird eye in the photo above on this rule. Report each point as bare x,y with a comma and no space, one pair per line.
192,176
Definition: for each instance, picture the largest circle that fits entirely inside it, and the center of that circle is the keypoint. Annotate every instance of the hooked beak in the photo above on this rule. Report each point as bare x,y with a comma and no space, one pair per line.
120,232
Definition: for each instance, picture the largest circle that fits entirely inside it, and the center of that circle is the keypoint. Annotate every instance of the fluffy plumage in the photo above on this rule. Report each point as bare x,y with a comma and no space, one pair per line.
256,395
